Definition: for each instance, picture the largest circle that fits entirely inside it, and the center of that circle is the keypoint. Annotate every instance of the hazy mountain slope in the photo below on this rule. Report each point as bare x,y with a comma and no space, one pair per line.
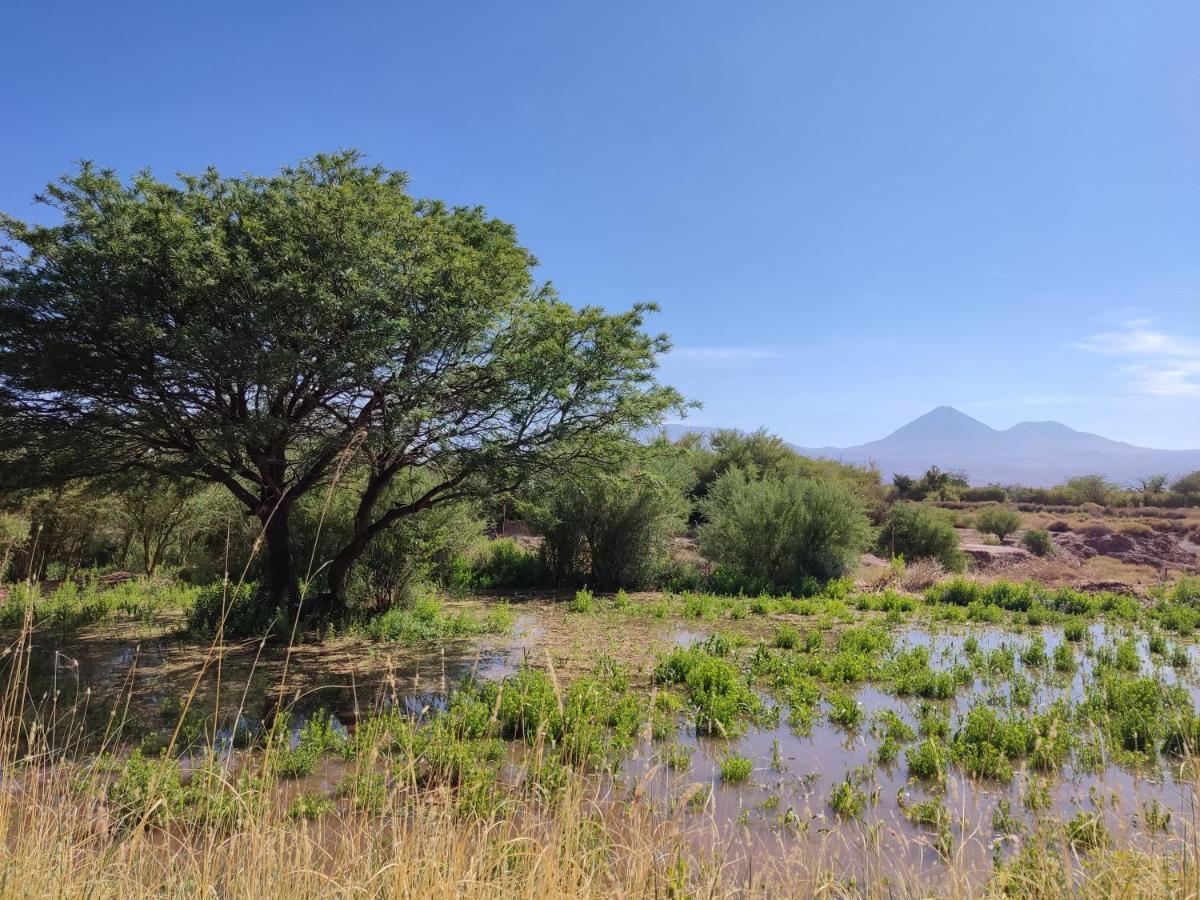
1033,453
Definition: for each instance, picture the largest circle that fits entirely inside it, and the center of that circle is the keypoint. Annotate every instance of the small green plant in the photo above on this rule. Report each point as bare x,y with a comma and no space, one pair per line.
847,799
584,601
929,760
932,814
1064,658
1038,542
1086,831
1155,817
677,757
310,806
845,711
736,769
787,638
1035,653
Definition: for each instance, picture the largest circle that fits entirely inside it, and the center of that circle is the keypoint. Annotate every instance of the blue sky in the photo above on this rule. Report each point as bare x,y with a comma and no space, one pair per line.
849,212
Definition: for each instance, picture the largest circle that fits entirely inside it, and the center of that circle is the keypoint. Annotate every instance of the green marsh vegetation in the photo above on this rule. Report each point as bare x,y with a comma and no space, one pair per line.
325,428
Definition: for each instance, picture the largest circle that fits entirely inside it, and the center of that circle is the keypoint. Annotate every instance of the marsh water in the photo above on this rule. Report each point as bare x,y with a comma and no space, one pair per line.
785,802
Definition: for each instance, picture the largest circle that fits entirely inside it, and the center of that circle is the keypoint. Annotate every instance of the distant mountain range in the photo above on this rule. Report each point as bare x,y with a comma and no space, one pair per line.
1032,453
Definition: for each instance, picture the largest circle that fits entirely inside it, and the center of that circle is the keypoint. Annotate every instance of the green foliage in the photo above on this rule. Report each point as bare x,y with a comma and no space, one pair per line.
1064,658
319,735
398,562
311,806
718,695
766,456
242,608
1086,831
504,563
935,483
929,760
146,789
912,675
254,331
612,528
786,637
921,532
1091,489
1038,542
736,769
584,601
847,799
426,620
998,520
845,711
1188,485
783,531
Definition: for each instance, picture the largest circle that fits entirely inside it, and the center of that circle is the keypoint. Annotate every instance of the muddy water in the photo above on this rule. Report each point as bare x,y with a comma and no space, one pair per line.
785,805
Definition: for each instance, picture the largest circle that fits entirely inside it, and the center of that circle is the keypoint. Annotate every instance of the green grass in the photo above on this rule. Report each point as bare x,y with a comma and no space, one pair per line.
736,769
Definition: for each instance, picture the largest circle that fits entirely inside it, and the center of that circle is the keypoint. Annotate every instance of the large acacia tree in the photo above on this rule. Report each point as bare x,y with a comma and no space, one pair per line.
269,333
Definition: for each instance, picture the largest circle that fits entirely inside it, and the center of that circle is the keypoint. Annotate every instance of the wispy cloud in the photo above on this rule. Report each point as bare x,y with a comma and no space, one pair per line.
1157,362
727,355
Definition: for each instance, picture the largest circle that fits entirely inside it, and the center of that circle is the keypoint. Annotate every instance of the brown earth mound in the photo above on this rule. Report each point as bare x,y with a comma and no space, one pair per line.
1159,549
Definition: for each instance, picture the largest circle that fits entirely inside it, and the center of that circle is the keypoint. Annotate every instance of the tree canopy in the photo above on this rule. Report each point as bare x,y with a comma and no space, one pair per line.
269,333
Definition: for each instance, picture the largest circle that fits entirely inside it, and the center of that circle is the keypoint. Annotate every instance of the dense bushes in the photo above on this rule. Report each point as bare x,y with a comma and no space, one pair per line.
783,531
918,532
611,529
501,563
247,612
394,567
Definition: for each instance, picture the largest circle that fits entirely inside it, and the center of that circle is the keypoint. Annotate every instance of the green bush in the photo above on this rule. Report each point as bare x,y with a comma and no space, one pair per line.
736,769
503,563
247,612
921,532
998,520
1038,542
414,551
611,529
783,531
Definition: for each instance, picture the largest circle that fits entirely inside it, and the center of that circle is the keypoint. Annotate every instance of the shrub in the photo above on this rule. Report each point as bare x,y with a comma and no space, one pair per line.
503,563
736,769
583,601
1058,526
847,799
783,531
1037,542
612,529
1095,489
955,591
998,520
919,532
928,760
247,614
787,637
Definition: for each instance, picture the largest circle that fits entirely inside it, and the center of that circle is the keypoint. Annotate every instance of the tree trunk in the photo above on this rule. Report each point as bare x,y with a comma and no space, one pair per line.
339,572
282,585
126,544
